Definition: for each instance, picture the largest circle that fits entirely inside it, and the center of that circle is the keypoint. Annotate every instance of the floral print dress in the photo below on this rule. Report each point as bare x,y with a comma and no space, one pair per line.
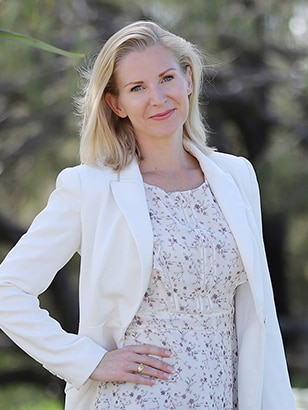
188,307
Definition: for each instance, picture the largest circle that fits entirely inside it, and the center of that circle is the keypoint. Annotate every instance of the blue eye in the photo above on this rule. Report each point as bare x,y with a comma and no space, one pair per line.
168,78
136,88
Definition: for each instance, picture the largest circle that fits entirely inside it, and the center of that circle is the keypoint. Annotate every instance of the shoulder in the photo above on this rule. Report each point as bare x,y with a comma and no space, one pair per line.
82,182
84,174
225,162
240,168
229,162
242,172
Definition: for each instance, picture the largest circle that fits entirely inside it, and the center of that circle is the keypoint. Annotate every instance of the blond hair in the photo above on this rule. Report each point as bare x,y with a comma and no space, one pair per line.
109,139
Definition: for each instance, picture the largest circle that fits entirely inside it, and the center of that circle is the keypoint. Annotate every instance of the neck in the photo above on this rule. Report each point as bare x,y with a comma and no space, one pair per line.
171,168
165,157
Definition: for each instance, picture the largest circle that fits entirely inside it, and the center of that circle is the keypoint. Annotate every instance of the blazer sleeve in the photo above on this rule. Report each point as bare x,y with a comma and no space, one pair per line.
29,268
276,389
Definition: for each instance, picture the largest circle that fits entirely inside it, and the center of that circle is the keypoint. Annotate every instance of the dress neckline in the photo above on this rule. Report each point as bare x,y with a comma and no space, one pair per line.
183,191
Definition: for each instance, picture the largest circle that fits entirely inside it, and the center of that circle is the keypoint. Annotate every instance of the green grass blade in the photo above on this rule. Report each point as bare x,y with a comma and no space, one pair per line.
32,42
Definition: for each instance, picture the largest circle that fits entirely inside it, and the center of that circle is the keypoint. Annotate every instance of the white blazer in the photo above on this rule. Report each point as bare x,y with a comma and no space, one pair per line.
103,215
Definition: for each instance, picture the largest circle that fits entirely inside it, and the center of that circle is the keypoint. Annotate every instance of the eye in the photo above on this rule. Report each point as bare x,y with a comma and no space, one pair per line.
136,88
167,78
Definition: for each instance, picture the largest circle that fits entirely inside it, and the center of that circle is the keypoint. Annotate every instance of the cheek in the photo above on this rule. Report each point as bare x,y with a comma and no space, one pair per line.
182,92
184,98
134,107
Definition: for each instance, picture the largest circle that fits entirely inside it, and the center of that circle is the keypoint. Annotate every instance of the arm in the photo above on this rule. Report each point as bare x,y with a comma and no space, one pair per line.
276,392
28,270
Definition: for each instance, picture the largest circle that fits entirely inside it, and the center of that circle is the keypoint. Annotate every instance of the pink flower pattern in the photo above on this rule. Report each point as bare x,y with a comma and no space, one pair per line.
188,307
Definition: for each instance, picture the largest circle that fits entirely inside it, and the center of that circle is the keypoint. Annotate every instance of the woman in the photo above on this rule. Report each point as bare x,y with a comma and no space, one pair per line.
176,306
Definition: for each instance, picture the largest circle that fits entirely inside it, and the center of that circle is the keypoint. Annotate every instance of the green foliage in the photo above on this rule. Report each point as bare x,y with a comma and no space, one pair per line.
32,42
25,397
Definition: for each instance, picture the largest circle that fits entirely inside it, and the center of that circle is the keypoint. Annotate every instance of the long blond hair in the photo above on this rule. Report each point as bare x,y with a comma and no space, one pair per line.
108,139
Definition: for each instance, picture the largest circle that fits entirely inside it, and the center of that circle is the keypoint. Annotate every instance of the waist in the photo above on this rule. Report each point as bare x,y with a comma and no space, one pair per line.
166,320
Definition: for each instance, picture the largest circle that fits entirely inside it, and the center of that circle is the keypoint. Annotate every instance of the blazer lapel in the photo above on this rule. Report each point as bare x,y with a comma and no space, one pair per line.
129,194
233,206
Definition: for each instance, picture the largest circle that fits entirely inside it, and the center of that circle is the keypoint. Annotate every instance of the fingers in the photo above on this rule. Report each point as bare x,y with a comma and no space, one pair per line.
149,349
150,358
161,371
141,364
149,366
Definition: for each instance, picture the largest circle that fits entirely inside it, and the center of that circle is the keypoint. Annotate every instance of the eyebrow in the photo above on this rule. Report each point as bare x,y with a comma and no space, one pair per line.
159,75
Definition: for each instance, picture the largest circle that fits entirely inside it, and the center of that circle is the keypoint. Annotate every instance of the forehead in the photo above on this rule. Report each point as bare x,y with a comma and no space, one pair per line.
150,60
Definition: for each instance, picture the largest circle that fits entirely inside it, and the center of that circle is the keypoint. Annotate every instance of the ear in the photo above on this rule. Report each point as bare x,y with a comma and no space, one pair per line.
189,79
113,103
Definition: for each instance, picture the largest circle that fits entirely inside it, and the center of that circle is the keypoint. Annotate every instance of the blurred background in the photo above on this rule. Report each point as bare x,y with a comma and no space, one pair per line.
255,101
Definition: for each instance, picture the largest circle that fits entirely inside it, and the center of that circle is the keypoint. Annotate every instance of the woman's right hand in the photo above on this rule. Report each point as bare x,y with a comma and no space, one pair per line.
141,364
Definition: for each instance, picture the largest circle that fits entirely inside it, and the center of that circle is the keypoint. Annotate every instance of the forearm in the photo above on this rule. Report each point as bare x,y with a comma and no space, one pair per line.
69,356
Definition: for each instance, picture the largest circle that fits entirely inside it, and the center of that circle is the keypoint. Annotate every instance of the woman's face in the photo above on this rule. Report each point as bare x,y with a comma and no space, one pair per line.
153,93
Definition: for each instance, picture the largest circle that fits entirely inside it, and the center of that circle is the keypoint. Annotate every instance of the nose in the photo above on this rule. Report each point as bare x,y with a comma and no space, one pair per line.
157,95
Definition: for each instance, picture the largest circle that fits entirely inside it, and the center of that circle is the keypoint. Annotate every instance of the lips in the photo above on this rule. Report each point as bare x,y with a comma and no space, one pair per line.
163,115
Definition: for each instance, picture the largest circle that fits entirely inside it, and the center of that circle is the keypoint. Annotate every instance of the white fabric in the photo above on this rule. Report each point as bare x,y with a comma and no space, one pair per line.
104,216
